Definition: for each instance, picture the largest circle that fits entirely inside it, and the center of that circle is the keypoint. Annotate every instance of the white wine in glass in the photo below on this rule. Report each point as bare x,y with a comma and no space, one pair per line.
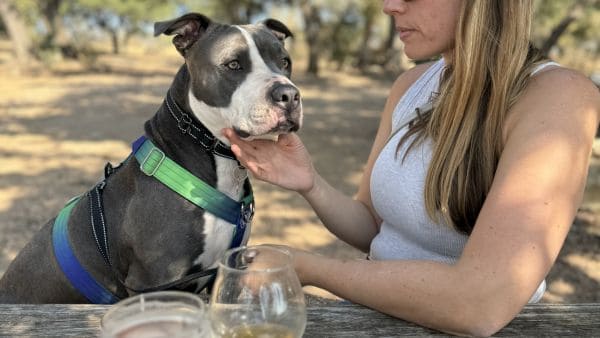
257,294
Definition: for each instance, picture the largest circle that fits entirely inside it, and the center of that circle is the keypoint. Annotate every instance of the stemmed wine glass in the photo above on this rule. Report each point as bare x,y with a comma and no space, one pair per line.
257,294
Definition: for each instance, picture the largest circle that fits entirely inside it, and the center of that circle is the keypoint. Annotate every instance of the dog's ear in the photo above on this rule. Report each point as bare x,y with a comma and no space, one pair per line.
278,28
187,30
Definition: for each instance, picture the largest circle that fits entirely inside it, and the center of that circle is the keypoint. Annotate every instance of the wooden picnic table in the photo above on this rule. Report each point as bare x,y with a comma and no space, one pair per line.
325,319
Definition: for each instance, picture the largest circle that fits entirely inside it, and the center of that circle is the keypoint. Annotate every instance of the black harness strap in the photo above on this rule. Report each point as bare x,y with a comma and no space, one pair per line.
99,230
97,220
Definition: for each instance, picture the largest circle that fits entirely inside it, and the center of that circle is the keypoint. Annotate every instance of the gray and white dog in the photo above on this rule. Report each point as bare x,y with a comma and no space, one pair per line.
233,77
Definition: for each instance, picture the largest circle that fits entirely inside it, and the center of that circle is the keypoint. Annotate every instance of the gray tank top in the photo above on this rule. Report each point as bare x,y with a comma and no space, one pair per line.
397,188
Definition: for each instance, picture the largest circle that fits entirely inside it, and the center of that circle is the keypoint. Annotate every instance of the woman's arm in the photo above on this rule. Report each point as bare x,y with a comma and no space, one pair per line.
518,235
357,222
286,163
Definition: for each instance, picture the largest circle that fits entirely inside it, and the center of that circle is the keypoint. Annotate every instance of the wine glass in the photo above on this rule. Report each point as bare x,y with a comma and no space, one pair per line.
164,314
257,294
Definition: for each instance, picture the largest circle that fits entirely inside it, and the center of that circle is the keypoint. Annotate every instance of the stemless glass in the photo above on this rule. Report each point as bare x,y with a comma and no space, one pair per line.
157,314
257,294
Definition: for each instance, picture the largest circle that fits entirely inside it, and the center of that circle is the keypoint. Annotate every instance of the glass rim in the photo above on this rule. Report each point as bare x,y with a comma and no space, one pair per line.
286,253
124,304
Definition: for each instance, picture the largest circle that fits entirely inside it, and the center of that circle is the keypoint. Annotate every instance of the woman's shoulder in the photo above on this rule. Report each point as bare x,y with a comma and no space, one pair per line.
407,79
556,93
557,78
559,87
415,72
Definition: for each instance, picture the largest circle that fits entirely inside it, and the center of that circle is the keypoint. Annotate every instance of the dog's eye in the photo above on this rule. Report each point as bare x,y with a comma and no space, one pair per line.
285,63
234,65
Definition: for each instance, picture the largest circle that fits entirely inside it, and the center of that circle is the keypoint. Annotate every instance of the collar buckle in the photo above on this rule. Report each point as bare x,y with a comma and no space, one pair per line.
214,144
185,123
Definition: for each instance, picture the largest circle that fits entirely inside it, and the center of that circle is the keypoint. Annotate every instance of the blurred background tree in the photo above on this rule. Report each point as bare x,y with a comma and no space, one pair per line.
344,35
17,29
568,30
120,19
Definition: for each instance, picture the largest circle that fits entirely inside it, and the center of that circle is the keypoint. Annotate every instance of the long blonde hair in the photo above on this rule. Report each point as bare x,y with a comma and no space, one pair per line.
492,61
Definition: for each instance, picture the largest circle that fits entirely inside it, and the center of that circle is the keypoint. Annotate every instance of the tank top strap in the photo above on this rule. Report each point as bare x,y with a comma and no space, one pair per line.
544,65
417,94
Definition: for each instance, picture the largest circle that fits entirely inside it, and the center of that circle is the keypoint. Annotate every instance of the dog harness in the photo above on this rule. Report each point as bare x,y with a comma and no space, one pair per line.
80,279
153,162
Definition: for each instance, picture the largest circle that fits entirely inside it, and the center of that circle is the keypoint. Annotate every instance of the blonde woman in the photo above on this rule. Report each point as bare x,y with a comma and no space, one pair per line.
473,179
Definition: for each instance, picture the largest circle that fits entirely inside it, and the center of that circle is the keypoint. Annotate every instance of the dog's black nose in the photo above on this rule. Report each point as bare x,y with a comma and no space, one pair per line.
286,96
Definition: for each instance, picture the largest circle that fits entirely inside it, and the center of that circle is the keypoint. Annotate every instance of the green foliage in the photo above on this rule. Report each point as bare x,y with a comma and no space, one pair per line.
348,30
131,11
28,9
121,18
230,11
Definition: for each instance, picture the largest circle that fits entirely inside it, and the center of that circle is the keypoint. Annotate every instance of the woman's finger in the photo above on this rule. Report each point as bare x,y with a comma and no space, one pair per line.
234,138
245,158
237,151
286,139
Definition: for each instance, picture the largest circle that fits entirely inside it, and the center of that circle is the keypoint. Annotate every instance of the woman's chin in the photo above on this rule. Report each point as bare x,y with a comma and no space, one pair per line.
418,55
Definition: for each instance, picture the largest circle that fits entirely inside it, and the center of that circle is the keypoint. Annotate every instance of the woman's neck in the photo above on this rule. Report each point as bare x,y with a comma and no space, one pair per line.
448,56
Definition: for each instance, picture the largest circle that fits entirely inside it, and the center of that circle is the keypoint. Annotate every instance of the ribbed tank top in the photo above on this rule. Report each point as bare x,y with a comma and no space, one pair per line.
397,188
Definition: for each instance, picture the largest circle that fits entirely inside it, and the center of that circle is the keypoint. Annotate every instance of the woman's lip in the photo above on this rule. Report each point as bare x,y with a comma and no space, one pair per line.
404,32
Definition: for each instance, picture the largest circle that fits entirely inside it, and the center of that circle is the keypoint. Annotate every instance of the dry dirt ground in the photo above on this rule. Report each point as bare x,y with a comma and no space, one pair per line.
57,130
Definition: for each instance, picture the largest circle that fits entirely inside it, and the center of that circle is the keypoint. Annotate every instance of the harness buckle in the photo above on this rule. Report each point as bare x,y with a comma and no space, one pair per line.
153,167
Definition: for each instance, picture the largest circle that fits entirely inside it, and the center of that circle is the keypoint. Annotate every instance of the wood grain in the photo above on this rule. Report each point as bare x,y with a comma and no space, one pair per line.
325,319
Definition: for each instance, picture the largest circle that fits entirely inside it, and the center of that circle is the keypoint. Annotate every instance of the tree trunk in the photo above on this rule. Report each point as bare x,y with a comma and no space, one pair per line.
252,9
49,10
392,35
114,36
112,31
393,57
17,30
369,13
232,11
574,13
312,27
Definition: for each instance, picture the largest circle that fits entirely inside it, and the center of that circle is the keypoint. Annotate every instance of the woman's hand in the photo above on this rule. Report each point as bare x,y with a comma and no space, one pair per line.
285,163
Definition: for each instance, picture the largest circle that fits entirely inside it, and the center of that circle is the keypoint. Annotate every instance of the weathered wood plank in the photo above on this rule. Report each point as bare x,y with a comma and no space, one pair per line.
558,320
325,319
550,320
350,320
51,320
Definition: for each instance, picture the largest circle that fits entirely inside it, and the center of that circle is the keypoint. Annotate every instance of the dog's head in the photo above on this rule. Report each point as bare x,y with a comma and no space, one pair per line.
240,75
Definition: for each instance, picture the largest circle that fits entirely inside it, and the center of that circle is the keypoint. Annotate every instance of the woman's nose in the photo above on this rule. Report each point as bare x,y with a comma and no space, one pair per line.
394,6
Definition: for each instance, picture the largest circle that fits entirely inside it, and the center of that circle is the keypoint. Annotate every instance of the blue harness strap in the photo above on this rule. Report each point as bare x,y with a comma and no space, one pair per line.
70,266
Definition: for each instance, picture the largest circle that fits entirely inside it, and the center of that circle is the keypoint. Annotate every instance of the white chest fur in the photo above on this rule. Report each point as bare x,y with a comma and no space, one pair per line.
218,233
